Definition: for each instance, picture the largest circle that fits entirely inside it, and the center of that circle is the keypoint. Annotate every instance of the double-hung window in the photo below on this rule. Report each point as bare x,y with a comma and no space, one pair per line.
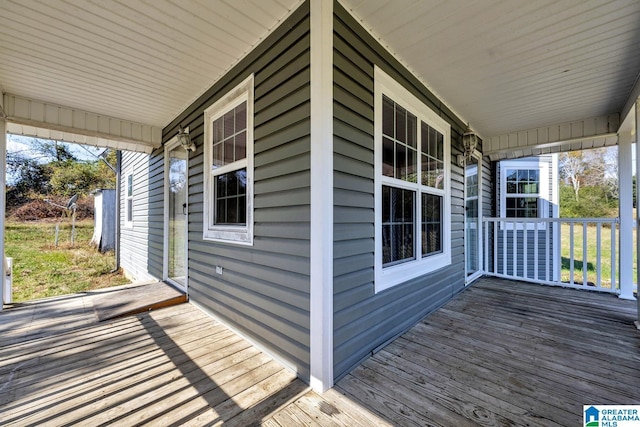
228,154
524,190
128,205
412,190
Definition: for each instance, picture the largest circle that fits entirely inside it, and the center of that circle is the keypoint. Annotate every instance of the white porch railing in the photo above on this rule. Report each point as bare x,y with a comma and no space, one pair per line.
570,252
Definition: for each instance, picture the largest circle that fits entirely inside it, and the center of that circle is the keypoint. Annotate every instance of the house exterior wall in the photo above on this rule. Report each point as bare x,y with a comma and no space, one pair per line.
550,199
263,291
364,320
141,242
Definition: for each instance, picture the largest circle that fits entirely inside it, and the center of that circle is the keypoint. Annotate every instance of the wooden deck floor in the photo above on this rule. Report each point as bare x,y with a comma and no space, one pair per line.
500,353
505,353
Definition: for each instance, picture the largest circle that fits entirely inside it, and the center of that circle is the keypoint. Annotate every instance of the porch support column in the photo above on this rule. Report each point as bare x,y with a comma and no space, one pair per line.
625,190
3,172
321,252
637,138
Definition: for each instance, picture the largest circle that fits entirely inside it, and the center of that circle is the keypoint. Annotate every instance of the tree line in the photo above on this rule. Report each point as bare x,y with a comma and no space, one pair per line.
50,170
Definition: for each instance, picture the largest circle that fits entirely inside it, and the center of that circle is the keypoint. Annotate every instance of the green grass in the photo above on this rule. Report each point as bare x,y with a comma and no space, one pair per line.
41,270
591,263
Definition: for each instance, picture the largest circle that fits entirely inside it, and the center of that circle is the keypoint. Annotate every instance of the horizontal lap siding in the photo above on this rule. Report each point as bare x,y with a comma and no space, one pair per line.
364,320
264,288
141,246
488,183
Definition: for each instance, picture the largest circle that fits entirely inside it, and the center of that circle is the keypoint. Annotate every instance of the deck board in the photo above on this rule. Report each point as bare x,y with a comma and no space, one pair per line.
499,353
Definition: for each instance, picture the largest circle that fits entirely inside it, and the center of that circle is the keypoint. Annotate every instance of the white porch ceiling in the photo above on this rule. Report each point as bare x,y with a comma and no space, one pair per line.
504,66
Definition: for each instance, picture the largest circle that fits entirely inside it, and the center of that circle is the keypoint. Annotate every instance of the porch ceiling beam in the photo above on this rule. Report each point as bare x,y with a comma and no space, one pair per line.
582,134
42,119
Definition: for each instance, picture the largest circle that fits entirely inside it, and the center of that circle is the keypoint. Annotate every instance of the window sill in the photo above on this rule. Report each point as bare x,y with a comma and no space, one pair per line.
398,274
236,236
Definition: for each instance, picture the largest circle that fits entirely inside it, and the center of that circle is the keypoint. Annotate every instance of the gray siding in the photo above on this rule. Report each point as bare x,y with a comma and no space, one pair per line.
488,203
141,246
264,288
363,320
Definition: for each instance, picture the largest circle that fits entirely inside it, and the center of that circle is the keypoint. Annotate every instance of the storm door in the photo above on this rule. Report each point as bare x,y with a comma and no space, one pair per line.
472,220
176,218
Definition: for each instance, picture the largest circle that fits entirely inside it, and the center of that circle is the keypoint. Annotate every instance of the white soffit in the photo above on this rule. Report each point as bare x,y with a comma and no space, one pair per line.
140,61
505,66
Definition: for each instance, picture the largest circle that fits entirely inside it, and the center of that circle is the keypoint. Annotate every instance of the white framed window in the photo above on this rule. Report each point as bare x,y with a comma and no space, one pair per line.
228,151
524,191
128,199
412,186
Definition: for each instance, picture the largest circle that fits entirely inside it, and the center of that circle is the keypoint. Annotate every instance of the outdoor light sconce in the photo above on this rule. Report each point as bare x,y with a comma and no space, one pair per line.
470,143
185,140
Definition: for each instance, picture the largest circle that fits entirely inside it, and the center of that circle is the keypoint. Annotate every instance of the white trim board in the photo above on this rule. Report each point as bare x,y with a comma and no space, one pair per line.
321,268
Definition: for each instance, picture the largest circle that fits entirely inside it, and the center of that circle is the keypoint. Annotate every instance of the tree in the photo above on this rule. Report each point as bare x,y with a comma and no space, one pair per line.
50,169
572,169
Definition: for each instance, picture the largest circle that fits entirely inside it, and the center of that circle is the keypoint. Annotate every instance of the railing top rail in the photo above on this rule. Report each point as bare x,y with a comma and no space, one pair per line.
552,220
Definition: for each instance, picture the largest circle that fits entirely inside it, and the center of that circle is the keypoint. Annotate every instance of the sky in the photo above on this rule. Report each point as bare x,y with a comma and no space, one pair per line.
21,143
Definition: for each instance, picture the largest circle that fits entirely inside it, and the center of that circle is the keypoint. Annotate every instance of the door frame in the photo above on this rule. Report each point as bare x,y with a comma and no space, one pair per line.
170,146
480,271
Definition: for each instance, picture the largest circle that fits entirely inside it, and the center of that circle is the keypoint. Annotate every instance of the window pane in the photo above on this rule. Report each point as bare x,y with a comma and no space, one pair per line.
228,151
241,146
241,117
398,225
387,157
388,121
401,124
412,165
130,186
218,153
431,224
512,175
411,130
129,210
230,198
401,161
229,127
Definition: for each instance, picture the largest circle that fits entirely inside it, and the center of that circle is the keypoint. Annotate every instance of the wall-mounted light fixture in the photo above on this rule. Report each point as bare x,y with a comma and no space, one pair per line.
185,140
470,143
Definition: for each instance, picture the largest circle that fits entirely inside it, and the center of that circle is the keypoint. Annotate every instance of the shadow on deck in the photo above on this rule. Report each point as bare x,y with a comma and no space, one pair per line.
499,353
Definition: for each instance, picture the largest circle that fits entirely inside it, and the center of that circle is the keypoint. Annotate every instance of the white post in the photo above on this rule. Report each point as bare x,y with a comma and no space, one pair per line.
625,183
321,252
3,169
637,199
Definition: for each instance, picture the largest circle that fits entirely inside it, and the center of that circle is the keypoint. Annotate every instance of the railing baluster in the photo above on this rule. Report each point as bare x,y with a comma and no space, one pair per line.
525,252
614,226
547,245
485,265
584,254
571,264
535,250
599,254
515,249
495,247
504,249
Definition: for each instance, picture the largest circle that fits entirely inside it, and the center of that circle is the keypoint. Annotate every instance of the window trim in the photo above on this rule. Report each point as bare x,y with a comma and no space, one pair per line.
128,223
242,235
387,277
543,192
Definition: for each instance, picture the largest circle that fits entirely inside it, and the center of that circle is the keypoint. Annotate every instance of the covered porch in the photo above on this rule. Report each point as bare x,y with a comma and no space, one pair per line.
499,353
